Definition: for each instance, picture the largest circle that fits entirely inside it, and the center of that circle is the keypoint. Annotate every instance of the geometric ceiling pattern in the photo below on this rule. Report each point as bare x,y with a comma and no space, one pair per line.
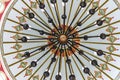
61,39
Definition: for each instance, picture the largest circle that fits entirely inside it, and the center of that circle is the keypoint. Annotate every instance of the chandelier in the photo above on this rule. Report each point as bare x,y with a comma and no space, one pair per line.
63,40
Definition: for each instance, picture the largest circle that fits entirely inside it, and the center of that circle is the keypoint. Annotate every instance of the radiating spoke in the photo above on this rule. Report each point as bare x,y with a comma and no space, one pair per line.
22,33
83,77
101,59
56,11
79,23
101,27
8,42
51,12
101,36
29,65
34,12
44,54
31,20
70,12
102,50
28,55
82,5
97,9
50,20
68,61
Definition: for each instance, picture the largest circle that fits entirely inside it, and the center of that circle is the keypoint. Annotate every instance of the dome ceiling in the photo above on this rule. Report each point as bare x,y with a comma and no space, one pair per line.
60,39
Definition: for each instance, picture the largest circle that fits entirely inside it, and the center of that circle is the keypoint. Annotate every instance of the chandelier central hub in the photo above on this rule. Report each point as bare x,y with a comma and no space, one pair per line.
63,38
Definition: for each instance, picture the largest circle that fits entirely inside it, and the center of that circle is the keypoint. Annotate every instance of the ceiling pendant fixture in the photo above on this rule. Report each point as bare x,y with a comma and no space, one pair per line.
62,40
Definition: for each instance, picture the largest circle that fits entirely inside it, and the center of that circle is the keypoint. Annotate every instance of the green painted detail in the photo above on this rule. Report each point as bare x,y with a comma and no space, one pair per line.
88,1
111,48
28,72
112,39
98,74
17,46
18,28
42,1
16,37
95,4
111,29
102,11
36,77
23,64
18,56
21,19
26,11
104,67
90,78
108,20
109,58
33,5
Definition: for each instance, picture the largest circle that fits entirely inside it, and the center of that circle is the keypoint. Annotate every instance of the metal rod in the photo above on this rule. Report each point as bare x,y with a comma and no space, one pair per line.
34,12
101,27
30,19
51,12
83,77
70,11
23,33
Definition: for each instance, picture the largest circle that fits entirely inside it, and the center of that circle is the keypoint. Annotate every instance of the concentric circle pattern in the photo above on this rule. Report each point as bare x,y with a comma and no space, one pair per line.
62,40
